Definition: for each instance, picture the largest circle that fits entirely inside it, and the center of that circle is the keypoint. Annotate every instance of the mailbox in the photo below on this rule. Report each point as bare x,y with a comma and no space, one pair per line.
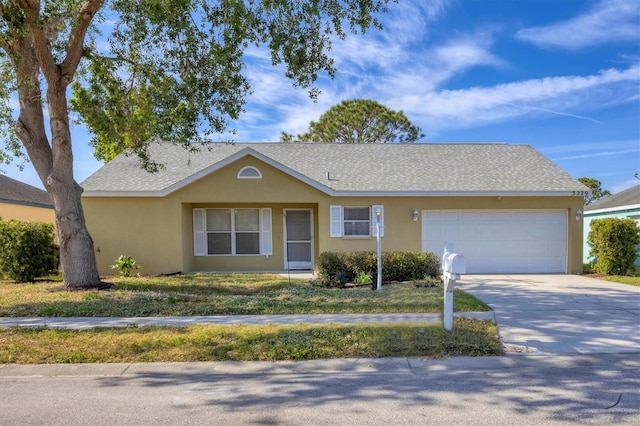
454,264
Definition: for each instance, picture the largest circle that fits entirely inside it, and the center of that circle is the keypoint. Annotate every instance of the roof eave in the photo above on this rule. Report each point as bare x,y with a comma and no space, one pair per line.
612,209
334,193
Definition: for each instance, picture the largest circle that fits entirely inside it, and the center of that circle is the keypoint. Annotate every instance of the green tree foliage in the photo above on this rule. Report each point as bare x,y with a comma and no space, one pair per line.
27,250
596,189
141,71
359,121
613,242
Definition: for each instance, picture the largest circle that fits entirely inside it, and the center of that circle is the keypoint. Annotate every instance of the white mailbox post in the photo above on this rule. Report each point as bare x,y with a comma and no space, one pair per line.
379,249
453,265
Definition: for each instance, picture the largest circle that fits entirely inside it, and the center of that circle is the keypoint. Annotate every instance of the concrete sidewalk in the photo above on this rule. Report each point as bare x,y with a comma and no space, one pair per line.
80,323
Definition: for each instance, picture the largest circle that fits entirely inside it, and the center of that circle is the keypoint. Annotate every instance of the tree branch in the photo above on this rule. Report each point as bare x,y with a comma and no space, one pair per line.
40,43
76,39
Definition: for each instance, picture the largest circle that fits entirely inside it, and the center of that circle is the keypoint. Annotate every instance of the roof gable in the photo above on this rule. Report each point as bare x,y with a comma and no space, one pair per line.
350,169
16,192
629,198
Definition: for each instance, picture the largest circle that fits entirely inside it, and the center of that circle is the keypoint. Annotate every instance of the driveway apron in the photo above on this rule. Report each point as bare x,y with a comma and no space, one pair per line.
560,314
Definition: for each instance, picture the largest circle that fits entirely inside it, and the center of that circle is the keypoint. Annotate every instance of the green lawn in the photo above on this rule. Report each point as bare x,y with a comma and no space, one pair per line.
220,294
247,343
201,294
623,279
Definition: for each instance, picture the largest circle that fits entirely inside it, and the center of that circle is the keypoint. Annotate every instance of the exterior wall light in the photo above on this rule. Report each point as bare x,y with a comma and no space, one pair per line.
579,214
416,214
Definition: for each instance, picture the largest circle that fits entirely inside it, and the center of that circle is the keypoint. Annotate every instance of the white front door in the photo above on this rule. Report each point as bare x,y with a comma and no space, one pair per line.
298,239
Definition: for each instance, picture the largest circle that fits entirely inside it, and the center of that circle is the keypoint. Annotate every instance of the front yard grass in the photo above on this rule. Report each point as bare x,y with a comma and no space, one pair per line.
219,294
623,279
247,343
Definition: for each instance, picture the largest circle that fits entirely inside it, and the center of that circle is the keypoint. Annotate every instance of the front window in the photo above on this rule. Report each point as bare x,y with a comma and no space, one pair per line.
357,221
233,231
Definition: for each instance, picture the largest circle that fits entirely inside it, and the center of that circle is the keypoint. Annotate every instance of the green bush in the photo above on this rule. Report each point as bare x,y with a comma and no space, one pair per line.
329,264
27,250
359,261
613,242
396,265
408,265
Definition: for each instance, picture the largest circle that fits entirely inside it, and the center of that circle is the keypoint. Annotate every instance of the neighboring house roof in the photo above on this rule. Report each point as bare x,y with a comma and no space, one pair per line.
625,200
350,169
16,192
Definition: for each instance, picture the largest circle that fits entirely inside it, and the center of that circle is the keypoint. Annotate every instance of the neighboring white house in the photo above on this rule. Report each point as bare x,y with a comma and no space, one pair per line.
625,204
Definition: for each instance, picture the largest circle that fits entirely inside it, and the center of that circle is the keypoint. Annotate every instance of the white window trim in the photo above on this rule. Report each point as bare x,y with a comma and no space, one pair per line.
336,221
265,243
242,174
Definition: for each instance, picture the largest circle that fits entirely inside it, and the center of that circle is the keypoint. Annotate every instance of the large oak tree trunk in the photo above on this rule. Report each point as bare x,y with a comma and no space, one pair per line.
77,256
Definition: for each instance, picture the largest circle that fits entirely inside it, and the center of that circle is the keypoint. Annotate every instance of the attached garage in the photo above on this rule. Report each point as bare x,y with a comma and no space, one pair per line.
501,241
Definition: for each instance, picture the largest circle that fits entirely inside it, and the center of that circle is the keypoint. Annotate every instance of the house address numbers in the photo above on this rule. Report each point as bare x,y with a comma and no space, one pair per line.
581,193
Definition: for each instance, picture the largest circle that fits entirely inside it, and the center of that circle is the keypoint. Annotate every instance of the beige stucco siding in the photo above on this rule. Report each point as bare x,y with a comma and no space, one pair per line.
146,228
27,213
158,231
223,186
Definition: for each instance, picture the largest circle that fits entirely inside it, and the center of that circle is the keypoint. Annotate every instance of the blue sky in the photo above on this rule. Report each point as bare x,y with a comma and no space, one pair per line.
560,75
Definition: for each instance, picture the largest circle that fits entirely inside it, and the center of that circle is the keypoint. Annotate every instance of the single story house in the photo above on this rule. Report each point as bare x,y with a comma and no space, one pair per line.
623,205
24,202
276,206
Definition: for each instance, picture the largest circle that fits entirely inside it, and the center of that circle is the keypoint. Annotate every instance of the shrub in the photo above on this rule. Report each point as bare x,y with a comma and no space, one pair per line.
407,265
27,250
329,264
357,262
613,242
124,265
396,266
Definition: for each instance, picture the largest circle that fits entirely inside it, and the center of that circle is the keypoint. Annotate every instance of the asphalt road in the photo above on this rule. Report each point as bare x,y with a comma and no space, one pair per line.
540,389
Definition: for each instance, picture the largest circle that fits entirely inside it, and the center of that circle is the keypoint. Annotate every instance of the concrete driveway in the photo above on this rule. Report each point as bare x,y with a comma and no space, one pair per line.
560,314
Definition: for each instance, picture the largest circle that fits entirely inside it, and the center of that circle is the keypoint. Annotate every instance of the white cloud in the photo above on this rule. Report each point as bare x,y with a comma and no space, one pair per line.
368,67
607,21
582,147
408,22
598,154
556,95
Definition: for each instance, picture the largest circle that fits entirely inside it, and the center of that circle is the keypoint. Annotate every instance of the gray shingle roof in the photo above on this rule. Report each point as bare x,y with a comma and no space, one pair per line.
395,168
628,197
14,191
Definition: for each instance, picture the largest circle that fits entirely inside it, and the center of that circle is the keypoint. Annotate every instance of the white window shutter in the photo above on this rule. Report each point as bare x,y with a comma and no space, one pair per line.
373,219
265,229
335,219
199,234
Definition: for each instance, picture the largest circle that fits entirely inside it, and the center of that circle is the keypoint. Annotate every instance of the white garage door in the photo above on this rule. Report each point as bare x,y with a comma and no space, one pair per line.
503,241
